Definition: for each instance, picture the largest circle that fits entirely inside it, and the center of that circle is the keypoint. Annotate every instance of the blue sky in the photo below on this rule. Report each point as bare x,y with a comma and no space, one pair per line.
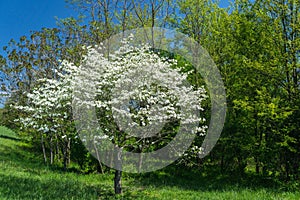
19,17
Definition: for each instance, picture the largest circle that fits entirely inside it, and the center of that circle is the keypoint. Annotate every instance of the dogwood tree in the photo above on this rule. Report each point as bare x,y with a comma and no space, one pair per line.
48,113
126,106
140,101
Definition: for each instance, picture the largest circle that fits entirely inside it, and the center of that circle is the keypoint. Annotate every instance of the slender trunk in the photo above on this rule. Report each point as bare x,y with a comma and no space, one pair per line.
152,23
98,158
124,18
258,159
222,162
65,153
69,151
43,148
57,149
140,161
118,173
65,160
256,165
287,167
51,150
285,52
257,133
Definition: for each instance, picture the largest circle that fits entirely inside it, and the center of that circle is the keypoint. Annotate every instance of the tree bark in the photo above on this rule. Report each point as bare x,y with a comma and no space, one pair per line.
43,148
117,181
51,150
65,149
69,151
118,172
98,158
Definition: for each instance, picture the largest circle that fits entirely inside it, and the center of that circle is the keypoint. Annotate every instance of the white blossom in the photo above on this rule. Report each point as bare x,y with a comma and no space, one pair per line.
144,84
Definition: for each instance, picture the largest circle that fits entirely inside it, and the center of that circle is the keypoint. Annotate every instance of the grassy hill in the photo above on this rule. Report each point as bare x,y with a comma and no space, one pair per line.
23,175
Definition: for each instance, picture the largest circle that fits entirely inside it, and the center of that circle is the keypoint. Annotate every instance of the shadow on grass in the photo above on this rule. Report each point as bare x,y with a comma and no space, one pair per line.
10,137
210,180
38,184
24,175
19,155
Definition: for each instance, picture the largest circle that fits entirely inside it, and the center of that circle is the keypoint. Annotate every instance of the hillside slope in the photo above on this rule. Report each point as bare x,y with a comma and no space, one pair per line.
23,176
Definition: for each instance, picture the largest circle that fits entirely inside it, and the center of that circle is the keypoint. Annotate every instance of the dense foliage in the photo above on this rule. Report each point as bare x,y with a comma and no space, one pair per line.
255,45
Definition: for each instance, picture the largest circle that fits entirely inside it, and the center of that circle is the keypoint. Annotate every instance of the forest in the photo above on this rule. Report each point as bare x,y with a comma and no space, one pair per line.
255,45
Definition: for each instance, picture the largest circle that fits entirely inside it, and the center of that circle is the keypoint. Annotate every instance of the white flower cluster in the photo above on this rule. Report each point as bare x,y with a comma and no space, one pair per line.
135,84
140,88
49,105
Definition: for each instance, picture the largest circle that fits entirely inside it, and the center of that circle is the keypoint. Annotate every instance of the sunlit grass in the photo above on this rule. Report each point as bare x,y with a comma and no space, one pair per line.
23,175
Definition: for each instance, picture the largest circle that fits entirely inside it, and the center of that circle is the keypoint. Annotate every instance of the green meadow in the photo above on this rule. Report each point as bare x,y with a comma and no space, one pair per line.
23,175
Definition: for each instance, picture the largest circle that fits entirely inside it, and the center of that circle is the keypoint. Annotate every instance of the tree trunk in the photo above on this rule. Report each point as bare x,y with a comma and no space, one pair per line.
222,163
257,168
98,158
69,152
65,160
117,181
140,162
65,153
51,150
118,172
43,148
57,151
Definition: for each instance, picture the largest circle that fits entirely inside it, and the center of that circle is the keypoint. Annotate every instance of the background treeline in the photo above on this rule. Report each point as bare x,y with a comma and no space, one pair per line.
255,44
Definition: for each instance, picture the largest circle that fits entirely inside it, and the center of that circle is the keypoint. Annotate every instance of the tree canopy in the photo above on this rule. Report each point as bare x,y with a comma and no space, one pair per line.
255,45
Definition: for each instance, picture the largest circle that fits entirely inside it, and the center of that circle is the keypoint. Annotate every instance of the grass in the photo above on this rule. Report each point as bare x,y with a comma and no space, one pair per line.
24,176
